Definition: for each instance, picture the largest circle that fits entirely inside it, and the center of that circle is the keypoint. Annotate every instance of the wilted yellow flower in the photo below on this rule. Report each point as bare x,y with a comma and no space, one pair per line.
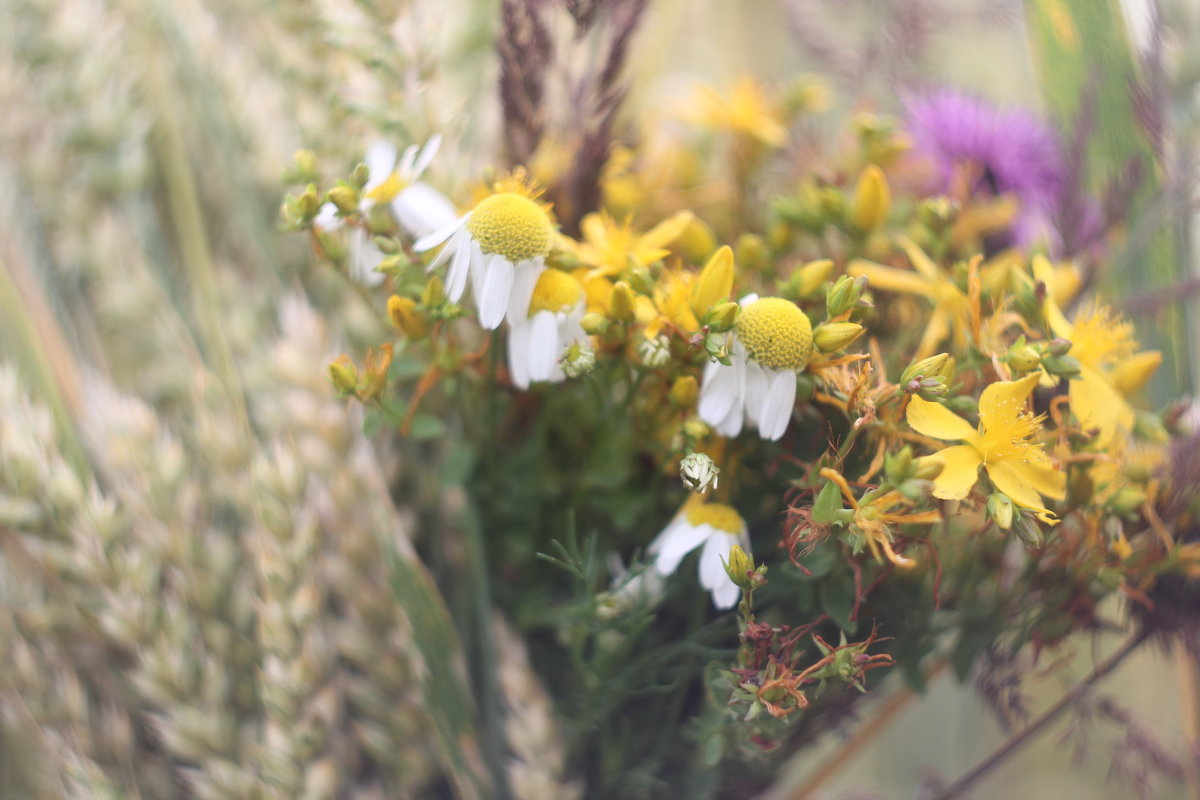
1005,445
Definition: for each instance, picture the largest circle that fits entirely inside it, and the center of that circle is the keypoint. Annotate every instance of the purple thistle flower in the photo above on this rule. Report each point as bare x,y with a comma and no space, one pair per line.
1009,151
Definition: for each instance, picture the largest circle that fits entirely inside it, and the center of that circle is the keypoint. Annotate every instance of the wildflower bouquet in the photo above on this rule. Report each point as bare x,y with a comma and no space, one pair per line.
743,421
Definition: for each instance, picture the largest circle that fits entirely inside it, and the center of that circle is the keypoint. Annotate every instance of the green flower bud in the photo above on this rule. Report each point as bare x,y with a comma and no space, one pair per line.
723,317
1062,366
844,295
344,375
308,204
1001,510
740,567
925,368
899,466
594,324
1023,358
830,337
344,197
1127,500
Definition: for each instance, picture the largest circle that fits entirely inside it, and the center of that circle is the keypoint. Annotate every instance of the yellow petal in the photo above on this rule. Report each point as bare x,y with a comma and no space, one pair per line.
921,262
960,470
664,232
594,231
889,279
934,419
935,333
1097,404
1004,400
1027,481
715,282
1133,373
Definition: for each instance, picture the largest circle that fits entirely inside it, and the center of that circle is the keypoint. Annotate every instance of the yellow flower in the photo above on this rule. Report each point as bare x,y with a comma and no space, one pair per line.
1110,367
1004,445
951,307
610,247
746,110
670,306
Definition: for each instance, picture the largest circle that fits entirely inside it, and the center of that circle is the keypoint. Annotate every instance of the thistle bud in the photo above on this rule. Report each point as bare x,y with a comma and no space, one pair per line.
403,313
1000,510
578,360
1062,366
698,472
830,337
740,567
434,293
844,295
621,305
810,277
1131,374
872,200
715,282
594,324
723,317
684,391
925,368
343,375
344,197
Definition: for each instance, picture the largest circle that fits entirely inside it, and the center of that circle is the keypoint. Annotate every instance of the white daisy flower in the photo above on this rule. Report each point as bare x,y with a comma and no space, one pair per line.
418,208
502,245
536,341
641,587
772,341
717,527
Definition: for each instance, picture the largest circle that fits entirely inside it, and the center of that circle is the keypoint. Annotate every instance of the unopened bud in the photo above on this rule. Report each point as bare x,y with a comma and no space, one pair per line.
360,175
1149,427
830,337
844,295
810,277
578,360
308,204
403,313
344,375
684,391
1000,509
723,317
698,472
937,213
697,241
872,200
621,305
695,428
304,164
594,324
1062,366
899,466
1127,500
655,352
434,293
1027,531
752,251
344,197
740,568
1057,347
1023,358
715,282
927,468
925,368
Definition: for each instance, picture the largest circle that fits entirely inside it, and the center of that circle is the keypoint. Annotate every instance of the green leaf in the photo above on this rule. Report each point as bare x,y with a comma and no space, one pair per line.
426,426
372,422
829,501
837,600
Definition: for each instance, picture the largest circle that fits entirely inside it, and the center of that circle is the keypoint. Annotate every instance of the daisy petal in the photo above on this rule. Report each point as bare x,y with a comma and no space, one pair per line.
492,298
676,541
719,394
777,406
960,470
421,209
933,419
518,355
437,237
716,547
460,266
544,347
427,153
524,280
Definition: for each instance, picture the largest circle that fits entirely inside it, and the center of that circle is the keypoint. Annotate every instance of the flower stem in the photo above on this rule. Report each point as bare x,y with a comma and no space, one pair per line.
960,786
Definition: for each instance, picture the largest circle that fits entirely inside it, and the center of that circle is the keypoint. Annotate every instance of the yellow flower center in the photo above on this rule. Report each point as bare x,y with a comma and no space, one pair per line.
1010,436
387,191
718,515
512,226
776,333
555,290
1101,338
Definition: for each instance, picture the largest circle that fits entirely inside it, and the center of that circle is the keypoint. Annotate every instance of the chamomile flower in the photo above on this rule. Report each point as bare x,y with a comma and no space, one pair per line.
418,207
772,341
716,527
536,341
502,245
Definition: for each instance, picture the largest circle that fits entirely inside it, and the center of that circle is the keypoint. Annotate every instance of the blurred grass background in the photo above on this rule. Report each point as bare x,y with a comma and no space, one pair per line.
141,160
